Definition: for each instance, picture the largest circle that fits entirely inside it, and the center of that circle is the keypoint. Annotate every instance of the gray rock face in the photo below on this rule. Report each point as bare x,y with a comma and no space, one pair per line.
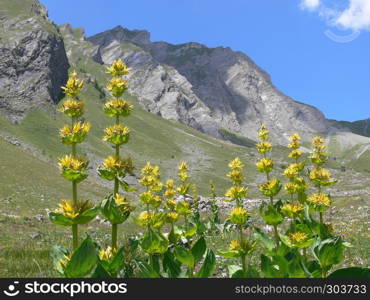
207,88
33,62
239,94
75,41
161,88
120,34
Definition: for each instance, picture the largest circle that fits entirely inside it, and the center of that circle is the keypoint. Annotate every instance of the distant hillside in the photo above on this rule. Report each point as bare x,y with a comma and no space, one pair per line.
361,127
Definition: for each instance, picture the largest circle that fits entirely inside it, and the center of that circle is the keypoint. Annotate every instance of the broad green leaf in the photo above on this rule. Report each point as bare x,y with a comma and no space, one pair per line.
229,253
87,216
252,273
117,262
83,260
133,244
199,249
270,214
238,274
235,271
208,265
264,239
330,252
269,269
173,237
74,175
100,272
60,219
281,263
190,232
201,228
146,271
113,213
154,242
184,256
158,220
106,174
171,265
351,273
125,186
154,262
314,268
295,269
286,241
58,253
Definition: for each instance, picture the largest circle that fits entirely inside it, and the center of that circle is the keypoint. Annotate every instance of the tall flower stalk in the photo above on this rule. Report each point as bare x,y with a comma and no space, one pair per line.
170,192
151,198
240,247
296,186
269,211
320,177
183,207
153,217
73,168
115,207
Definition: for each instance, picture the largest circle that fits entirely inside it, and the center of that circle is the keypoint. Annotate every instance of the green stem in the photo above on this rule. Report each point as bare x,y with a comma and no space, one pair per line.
73,144
186,222
242,258
74,226
115,191
148,211
116,181
114,236
321,218
190,272
323,273
74,197
74,192
75,236
276,235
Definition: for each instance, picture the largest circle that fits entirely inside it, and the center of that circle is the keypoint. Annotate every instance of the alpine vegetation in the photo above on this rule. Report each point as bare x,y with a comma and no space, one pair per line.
115,208
289,235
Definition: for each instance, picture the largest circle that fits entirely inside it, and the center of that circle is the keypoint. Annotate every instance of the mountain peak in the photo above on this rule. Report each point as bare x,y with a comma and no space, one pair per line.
209,89
120,34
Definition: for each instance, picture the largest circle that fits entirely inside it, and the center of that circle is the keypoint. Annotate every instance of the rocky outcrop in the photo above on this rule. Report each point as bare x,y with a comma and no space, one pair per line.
207,88
33,62
161,88
75,41
239,94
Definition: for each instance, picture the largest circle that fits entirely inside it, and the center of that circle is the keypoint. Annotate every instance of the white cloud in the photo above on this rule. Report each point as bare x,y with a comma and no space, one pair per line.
310,4
355,17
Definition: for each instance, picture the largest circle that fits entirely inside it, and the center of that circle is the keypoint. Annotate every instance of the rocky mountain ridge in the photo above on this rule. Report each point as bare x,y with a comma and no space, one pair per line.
208,89
217,91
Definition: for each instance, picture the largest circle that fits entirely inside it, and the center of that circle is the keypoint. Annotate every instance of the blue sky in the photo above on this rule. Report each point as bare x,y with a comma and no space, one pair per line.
316,51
